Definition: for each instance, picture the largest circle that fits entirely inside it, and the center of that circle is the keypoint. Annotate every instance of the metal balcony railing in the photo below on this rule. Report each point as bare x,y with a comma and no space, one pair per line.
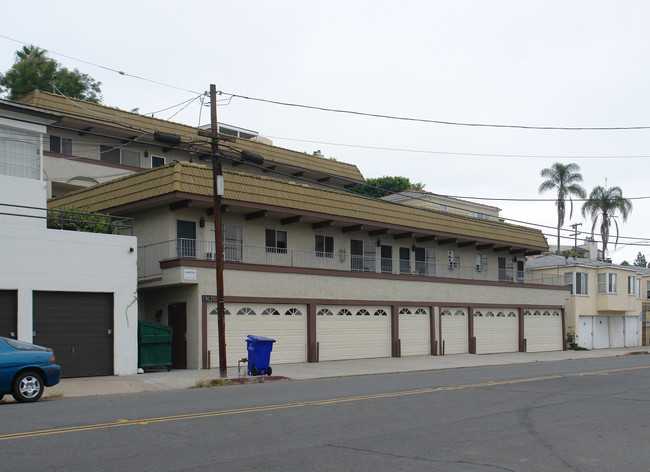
150,256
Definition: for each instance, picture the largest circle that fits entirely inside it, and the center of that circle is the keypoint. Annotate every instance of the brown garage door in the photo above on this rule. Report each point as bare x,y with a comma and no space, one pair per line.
79,327
8,313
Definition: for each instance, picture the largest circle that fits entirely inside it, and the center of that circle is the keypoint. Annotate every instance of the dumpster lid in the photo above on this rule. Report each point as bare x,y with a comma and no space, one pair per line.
253,337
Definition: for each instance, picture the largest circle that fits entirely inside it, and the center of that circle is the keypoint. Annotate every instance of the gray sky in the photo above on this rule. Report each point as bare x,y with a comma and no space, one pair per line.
533,63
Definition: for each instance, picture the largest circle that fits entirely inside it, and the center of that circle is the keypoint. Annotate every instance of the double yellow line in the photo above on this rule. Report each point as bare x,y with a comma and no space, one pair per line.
256,409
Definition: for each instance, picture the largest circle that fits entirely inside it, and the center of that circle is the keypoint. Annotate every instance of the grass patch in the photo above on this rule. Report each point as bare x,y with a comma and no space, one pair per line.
578,348
220,382
637,353
200,383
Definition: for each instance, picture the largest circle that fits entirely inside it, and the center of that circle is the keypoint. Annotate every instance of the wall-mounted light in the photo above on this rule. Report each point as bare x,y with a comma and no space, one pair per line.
378,242
202,222
146,154
413,248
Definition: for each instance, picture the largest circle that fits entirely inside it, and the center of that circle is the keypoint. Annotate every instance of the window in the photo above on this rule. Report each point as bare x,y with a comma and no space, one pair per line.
119,156
477,214
521,271
579,282
444,208
185,238
324,246
634,286
607,283
61,145
647,289
387,259
425,261
404,260
506,269
481,262
20,153
453,258
363,255
233,239
276,241
157,161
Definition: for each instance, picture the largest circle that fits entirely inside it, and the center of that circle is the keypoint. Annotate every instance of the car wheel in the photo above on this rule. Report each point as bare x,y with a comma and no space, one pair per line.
27,387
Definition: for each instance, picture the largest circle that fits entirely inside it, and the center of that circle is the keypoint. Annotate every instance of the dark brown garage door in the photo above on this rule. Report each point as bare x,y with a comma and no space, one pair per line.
8,313
79,327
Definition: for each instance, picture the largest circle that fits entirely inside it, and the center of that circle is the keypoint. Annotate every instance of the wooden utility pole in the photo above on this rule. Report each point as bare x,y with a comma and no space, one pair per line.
575,235
217,189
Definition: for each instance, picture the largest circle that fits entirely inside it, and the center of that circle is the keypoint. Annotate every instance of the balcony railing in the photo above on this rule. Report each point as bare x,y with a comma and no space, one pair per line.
150,256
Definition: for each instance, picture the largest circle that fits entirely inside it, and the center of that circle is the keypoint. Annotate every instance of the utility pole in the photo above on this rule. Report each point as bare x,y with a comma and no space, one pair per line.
217,191
575,235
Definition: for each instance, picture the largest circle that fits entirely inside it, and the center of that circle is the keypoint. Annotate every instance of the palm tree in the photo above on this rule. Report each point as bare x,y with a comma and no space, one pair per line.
602,205
564,178
30,52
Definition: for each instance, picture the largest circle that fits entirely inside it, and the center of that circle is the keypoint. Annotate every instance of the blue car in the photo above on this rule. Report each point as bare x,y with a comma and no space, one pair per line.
26,369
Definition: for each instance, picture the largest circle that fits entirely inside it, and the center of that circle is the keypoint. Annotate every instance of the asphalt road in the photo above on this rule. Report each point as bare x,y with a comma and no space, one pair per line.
590,415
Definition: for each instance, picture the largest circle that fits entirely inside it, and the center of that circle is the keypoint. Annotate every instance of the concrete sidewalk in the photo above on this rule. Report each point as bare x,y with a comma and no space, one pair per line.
181,379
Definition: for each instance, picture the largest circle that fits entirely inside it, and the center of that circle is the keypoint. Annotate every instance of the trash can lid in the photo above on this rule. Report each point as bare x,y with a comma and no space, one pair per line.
253,337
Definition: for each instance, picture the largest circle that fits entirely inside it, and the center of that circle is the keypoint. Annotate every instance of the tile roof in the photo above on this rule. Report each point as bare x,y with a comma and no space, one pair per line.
194,179
552,261
137,124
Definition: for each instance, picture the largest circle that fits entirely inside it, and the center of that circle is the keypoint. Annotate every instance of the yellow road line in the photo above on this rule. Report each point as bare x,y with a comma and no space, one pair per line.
330,401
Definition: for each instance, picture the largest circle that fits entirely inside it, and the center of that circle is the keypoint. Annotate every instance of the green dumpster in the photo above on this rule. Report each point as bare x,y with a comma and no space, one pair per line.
154,345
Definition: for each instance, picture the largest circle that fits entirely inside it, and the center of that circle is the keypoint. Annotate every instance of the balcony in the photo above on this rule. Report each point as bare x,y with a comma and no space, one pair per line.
150,257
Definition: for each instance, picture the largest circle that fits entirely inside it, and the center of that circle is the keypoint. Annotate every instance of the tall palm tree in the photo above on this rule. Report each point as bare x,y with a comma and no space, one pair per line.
564,178
30,52
603,204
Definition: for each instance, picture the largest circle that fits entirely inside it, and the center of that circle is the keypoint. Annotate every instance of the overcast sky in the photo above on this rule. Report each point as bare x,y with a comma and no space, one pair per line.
532,63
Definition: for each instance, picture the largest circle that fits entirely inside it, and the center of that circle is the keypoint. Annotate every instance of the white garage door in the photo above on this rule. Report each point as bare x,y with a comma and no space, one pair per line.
414,332
287,324
453,326
543,330
632,331
618,331
496,331
352,332
601,332
586,332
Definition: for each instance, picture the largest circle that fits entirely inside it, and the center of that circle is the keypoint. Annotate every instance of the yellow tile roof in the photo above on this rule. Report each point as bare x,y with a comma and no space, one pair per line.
196,180
139,124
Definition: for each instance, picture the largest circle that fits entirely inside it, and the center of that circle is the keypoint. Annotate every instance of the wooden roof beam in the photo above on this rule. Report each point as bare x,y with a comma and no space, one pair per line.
256,214
404,235
180,205
481,247
324,179
322,224
349,229
518,251
502,249
467,244
378,232
423,239
224,209
443,242
291,220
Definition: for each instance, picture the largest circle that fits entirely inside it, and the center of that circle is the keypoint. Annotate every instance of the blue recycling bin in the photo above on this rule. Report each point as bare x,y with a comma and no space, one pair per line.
259,354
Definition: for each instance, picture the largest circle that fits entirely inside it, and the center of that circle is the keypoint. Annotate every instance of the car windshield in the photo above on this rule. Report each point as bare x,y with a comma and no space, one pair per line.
23,346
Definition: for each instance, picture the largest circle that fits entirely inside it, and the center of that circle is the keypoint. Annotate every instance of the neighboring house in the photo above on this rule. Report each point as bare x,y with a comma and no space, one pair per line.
90,143
422,199
605,304
327,273
72,291
645,293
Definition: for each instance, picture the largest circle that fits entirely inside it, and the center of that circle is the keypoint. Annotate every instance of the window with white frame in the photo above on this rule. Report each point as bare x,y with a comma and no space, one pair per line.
425,261
363,255
579,282
481,262
20,153
634,286
276,241
453,259
233,239
117,155
477,214
324,246
60,145
506,269
607,283
157,161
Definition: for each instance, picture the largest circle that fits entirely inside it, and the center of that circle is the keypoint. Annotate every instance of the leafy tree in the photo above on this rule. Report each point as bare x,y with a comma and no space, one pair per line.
382,186
640,260
564,179
602,205
79,219
34,70
625,263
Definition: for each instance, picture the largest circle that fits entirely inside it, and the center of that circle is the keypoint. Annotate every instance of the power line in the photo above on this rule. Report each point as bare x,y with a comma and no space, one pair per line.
438,122
453,153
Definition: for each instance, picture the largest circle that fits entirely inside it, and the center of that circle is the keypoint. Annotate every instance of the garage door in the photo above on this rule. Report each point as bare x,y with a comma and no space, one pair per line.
586,332
543,330
632,331
453,326
496,331
618,331
352,332
287,324
601,332
8,313
79,327
414,332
